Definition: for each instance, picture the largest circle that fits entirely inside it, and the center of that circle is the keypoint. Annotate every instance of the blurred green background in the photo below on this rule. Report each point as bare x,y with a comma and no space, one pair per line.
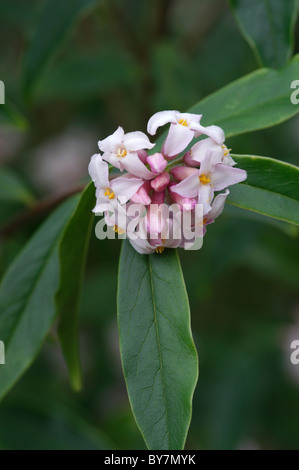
119,63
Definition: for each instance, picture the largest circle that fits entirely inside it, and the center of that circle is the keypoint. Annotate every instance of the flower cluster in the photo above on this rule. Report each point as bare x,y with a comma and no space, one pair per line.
176,176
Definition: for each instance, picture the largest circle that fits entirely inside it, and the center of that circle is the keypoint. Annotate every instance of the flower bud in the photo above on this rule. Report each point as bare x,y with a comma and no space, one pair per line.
180,173
160,182
157,163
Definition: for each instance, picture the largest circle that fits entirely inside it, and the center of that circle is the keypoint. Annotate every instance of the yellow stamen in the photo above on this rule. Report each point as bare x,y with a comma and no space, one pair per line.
118,230
183,122
121,153
160,249
109,193
204,179
205,221
226,150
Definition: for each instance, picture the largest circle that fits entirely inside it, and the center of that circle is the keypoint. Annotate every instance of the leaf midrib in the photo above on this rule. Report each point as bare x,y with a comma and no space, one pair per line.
269,191
32,289
159,346
249,110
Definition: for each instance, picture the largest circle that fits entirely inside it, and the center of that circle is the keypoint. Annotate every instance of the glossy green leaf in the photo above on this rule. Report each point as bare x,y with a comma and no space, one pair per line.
268,27
73,254
54,25
27,297
158,354
272,188
12,188
257,101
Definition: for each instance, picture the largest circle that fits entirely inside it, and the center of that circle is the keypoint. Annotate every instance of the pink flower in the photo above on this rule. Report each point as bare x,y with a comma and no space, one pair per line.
199,151
136,204
110,193
142,195
184,203
121,150
184,127
156,232
217,208
208,179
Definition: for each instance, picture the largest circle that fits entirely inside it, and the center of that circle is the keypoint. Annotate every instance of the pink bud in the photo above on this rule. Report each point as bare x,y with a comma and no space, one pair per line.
185,203
142,195
180,173
155,221
142,154
157,163
158,198
189,161
160,182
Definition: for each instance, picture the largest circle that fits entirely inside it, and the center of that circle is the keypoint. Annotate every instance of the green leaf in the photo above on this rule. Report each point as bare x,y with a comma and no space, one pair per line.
10,116
27,297
272,188
268,27
158,354
54,25
73,253
88,75
256,101
12,188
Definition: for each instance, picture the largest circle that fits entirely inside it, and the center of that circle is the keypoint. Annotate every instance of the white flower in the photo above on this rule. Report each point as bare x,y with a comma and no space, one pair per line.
208,179
121,150
221,154
184,127
110,193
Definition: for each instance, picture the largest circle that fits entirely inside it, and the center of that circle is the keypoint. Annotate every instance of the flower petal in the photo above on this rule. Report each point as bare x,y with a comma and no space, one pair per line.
104,203
179,137
132,163
160,119
190,118
142,246
125,187
205,197
224,176
134,141
207,164
113,160
180,173
142,195
110,143
215,132
200,150
99,171
217,207
188,187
